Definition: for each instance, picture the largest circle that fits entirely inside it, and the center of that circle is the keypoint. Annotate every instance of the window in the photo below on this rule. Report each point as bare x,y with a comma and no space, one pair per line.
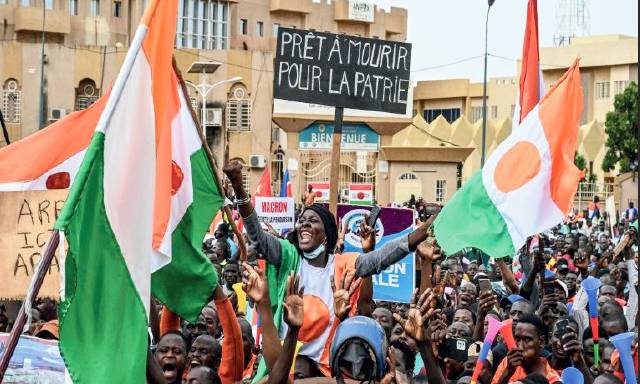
494,111
275,28
238,109
86,94
117,8
245,178
203,24
48,4
243,26
25,3
602,90
450,114
441,190
73,7
408,176
476,114
260,28
94,9
11,98
619,86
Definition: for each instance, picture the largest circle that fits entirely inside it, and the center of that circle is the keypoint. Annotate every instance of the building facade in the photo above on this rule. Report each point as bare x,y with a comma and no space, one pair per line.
85,42
452,109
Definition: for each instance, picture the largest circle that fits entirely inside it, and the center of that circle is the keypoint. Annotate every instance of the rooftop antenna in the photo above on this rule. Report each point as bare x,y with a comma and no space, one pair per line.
572,20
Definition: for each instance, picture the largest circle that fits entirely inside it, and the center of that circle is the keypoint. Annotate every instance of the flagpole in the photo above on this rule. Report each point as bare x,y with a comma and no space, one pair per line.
212,162
34,288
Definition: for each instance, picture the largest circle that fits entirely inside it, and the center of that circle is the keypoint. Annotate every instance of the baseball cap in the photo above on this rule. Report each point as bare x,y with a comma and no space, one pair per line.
511,299
563,268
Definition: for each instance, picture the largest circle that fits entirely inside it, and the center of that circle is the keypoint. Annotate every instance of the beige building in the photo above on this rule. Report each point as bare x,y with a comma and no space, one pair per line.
453,108
86,42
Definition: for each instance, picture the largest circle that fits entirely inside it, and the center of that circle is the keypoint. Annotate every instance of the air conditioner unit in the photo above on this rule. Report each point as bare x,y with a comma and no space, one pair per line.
56,114
257,161
213,117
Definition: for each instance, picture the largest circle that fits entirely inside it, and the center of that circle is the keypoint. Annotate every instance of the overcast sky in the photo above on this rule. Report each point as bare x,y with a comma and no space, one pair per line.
447,31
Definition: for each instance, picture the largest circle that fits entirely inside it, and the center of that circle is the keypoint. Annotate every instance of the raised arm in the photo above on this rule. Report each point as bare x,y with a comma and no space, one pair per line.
507,277
254,283
293,316
267,244
232,363
378,260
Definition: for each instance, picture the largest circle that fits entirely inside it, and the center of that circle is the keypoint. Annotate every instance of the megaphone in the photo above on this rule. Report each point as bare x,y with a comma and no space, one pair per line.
591,286
622,342
507,333
572,376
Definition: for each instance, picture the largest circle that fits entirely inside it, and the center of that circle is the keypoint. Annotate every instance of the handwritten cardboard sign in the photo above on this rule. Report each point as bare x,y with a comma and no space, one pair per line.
27,222
342,71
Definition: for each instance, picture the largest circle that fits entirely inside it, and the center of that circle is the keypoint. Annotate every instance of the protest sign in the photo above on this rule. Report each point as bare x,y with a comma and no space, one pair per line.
34,360
27,222
341,70
396,282
277,211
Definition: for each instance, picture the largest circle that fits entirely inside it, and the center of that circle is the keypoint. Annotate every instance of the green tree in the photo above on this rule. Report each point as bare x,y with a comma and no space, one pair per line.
621,127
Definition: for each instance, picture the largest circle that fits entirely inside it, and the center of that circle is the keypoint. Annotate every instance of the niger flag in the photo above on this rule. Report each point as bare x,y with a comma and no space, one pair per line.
527,184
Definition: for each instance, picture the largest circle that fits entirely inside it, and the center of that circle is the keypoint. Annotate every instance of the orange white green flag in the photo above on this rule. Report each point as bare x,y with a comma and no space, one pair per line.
528,183
136,215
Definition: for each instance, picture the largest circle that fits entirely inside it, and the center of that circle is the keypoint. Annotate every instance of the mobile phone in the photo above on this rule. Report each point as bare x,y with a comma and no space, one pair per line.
455,349
548,288
485,285
373,216
561,327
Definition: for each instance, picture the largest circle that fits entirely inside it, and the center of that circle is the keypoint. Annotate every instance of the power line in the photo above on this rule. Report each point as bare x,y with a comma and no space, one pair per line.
516,60
448,64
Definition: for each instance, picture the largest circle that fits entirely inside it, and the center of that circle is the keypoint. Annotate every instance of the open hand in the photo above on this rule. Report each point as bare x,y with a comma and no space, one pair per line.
342,296
293,303
254,283
428,250
416,318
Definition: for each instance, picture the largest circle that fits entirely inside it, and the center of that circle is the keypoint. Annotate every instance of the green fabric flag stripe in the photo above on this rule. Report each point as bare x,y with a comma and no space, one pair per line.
471,220
103,324
175,284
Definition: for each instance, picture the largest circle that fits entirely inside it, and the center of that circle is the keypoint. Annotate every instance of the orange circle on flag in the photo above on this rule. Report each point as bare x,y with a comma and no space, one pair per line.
316,318
517,166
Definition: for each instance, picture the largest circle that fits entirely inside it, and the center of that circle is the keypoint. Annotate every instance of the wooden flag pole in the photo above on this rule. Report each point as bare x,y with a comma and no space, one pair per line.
36,282
241,245
335,161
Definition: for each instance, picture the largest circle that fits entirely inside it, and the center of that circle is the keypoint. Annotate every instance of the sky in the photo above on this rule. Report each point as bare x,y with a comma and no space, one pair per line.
448,35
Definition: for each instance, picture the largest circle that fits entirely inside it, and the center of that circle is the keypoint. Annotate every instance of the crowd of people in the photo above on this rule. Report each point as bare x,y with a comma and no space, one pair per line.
318,321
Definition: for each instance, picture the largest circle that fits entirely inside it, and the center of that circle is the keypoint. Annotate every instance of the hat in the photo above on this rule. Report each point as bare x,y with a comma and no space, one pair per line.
563,267
474,350
511,299
49,330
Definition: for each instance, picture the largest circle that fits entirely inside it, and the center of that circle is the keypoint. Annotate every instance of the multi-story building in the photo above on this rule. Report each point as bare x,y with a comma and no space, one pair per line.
85,42
608,64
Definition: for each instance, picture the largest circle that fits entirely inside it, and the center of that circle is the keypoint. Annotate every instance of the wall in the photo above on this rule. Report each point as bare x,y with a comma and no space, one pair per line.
428,173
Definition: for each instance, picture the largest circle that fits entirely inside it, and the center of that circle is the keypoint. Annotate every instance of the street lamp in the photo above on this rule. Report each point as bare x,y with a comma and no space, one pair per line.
205,68
484,87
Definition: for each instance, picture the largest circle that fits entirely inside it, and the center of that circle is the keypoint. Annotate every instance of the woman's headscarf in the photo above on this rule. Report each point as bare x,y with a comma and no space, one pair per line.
329,223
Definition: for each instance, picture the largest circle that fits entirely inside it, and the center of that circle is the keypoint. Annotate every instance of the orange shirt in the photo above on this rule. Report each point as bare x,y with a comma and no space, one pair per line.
550,373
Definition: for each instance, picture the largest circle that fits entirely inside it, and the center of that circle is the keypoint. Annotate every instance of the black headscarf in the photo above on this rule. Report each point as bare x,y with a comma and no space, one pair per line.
330,227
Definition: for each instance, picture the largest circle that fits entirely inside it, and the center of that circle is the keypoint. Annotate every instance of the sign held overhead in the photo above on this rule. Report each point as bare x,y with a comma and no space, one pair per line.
342,71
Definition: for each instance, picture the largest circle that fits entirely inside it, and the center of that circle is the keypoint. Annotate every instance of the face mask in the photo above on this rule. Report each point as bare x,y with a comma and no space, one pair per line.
315,253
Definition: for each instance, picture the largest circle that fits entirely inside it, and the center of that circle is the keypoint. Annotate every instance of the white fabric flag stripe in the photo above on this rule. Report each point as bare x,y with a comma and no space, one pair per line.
70,165
129,172
535,195
185,142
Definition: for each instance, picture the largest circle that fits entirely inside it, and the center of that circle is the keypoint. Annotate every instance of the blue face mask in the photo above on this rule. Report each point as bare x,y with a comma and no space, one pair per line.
315,253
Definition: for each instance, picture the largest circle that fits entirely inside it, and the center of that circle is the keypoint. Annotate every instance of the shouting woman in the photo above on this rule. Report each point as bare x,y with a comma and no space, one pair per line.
308,251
